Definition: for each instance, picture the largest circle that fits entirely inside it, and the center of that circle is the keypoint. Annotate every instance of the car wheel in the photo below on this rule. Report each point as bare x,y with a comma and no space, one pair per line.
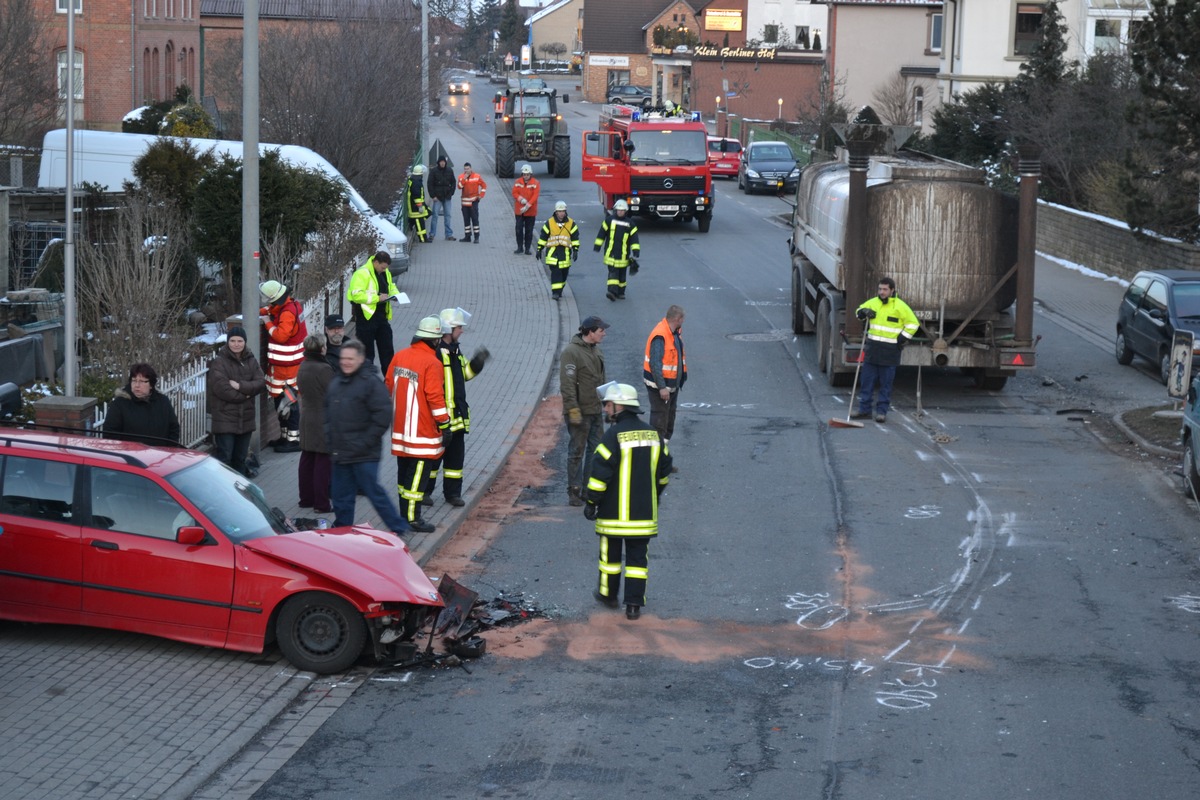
1191,478
320,632
1124,352
1164,368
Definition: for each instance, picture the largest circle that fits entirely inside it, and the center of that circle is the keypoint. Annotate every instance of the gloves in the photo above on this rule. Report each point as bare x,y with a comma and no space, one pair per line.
480,358
634,266
901,341
865,314
590,510
574,417
447,435
538,254
596,249
574,253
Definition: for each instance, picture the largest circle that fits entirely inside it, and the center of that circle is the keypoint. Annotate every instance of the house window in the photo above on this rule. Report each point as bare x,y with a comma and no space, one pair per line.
1028,29
918,106
802,37
150,8
1107,36
935,33
62,75
60,6
770,34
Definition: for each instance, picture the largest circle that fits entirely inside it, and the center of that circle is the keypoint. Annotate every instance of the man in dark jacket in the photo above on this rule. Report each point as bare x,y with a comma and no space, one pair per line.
580,374
315,471
358,412
335,334
234,380
441,185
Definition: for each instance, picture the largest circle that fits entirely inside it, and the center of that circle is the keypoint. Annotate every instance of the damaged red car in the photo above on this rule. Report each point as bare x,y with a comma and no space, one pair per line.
173,543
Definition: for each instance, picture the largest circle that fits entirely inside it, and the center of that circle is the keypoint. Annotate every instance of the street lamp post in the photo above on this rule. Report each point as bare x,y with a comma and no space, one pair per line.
781,109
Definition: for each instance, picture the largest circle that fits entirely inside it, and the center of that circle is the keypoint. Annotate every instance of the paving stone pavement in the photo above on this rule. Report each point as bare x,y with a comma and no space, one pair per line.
100,714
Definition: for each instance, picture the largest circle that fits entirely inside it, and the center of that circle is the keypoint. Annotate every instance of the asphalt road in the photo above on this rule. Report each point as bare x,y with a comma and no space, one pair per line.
992,599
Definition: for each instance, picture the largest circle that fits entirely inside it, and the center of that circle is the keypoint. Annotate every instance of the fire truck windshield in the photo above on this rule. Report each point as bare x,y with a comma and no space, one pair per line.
669,147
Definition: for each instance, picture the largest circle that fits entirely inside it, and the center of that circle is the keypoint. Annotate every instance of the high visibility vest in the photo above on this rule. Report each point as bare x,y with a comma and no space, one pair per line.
364,289
630,468
286,332
419,412
456,372
472,186
415,200
618,241
556,235
674,360
529,191
891,320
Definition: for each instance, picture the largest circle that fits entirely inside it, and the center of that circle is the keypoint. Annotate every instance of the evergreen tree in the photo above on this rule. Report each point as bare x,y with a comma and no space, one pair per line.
512,28
1047,65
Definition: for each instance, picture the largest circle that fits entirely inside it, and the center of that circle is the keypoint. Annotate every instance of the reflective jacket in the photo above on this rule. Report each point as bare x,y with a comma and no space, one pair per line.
472,186
630,469
559,239
525,197
457,370
892,320
418,386
674,362
414,198
286,332
363,291
618,241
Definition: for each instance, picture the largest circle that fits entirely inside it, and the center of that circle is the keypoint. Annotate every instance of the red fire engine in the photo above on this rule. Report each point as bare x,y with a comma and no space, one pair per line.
658,163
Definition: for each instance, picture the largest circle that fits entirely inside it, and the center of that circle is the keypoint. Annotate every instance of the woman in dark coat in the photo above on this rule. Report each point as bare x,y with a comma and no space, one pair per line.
234,380
316,468
140,413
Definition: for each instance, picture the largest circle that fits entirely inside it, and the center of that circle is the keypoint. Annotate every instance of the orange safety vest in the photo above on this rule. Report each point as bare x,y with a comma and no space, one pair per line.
528,190
674,361
285,346
418,386
472,186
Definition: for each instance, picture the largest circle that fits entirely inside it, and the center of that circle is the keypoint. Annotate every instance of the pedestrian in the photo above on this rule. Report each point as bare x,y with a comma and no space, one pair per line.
234,380
415,208
580,374
631,468
357,414
370,292
316,470
889,325
473,188
286,331
560,239
618,239
664,369
335,334
525,192
421,422
441,189
140,413
456,371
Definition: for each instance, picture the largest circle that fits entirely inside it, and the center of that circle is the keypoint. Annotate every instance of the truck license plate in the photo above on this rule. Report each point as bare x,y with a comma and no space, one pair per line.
664,209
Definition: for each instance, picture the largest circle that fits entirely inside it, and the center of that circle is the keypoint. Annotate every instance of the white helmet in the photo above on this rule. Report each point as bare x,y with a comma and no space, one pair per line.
620,393
526,170
453,318
272,290
560,206
430,328
419,169
620,205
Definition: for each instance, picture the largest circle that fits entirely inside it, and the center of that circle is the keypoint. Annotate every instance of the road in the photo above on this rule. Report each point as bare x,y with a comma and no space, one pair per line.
992,598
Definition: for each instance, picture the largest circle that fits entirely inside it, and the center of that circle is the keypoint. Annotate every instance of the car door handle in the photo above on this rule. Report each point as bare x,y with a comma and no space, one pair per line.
103,545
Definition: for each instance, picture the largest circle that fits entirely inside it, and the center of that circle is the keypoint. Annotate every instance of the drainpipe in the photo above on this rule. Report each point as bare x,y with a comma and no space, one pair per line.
853,268
1030,168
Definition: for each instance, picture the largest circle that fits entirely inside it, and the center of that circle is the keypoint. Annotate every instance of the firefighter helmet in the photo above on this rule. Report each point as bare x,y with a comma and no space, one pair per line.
560,206
272,290
620,393
430,328
620,205
453,318
419,170
526,170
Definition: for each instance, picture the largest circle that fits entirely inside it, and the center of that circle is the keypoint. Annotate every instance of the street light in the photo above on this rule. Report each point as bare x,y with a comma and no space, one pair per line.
781,108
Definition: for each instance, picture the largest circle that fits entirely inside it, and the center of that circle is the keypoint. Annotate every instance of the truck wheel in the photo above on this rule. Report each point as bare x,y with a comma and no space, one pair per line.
797,303
704,221
320,632
989,383
506,156
562,157
823,336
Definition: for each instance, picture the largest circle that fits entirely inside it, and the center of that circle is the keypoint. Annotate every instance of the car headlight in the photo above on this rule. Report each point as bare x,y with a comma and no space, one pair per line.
794,173
751,173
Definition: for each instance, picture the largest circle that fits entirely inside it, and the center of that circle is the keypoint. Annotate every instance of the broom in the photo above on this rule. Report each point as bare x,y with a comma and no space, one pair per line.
834,422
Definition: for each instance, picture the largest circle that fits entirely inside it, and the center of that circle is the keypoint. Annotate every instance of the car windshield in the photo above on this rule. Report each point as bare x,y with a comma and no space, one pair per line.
722,146
231,501
1187,300
668,147
772,152
537,105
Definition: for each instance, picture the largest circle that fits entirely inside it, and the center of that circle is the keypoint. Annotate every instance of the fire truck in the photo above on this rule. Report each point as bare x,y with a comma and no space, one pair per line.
656,162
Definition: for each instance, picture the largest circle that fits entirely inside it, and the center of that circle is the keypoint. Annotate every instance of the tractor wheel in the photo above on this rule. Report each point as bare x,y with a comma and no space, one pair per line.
562,157
506,156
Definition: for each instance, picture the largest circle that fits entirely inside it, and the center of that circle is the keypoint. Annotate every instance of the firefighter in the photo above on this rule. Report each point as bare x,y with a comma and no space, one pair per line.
560,239
286,331
890,324
618,239
420,421
525,193
473,188
630,470
456,371
415,207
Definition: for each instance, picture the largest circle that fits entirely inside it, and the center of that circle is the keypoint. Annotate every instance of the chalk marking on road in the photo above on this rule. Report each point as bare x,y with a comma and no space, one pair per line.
963,627
978,602
1002,579
916,625
925,456
923,512
889,656
947,478
1185,602
976,477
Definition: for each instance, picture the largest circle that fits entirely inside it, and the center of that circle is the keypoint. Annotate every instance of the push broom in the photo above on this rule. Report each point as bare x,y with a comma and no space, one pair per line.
835,422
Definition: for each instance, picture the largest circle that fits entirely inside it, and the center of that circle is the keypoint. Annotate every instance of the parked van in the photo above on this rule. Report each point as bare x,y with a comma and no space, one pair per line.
106,158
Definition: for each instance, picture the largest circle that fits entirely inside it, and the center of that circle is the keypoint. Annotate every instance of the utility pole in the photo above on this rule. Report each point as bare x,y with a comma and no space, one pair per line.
250,243
70,367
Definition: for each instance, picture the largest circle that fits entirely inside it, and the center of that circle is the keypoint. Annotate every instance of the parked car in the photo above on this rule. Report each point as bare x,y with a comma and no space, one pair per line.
459,85
1156,304
724,156
173,543
769,166
630,95
1191,440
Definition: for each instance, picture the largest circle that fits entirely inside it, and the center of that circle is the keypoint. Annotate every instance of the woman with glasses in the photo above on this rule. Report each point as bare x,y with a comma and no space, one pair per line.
140,413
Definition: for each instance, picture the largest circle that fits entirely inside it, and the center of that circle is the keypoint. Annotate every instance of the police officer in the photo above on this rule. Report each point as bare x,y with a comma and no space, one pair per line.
630,469
560,239
457,370
890,325
618,240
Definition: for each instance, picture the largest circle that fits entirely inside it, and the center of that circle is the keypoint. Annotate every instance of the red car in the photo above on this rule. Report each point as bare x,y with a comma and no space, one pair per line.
723,156
173,543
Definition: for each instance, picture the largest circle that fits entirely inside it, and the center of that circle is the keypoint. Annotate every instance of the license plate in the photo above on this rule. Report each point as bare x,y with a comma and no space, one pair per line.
663,209
724,165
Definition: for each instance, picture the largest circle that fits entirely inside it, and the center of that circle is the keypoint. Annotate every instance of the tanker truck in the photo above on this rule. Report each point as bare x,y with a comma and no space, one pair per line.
961,254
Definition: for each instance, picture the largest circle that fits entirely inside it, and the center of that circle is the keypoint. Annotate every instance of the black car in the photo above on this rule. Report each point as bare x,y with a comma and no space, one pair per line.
770,166
630,94
1156,304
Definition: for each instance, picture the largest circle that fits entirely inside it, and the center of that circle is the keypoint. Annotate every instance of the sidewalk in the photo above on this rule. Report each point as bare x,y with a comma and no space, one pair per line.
88,713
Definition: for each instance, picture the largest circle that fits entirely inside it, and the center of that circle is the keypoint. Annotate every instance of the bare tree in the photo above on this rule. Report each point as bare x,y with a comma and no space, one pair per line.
893,101
552,51
453,10
27,81
130,297
818,110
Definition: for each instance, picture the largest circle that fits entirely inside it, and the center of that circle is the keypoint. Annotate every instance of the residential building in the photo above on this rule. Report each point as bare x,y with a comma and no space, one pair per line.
786,23
560,23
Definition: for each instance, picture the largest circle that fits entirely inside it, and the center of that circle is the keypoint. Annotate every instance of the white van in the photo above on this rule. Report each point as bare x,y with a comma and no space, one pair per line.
106,158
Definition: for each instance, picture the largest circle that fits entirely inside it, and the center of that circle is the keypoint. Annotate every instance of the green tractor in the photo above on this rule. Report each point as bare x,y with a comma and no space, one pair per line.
529,128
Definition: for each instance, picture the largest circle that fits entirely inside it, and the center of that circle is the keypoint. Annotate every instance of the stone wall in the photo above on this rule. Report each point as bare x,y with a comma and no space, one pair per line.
1107,246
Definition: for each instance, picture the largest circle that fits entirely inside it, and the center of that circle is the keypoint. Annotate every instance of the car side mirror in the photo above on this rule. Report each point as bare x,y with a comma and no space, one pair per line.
191,535
1156,313
628,145
566,98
